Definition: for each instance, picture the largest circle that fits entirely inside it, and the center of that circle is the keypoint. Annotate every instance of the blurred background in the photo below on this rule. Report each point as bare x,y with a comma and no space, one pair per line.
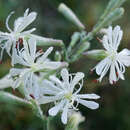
114,111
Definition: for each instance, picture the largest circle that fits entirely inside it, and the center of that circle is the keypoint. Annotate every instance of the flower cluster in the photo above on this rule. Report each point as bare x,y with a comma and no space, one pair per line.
48,81
38,75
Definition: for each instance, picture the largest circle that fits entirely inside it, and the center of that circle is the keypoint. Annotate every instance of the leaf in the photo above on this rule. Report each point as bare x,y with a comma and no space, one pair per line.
9,98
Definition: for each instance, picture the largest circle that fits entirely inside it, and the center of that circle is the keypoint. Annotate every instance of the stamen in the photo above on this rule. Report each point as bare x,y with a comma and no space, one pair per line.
40,50
13,91
91,71
117,74
20,40
114,82
31,95
99,39
95,81
16,44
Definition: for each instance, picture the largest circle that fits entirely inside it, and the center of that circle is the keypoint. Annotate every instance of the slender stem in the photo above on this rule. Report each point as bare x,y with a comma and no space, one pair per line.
48,123
45,124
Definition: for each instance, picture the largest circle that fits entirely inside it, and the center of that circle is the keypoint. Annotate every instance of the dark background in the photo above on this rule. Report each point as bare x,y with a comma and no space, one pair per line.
114,111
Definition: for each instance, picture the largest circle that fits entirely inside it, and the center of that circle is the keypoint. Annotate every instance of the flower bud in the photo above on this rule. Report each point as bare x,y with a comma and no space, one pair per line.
57,56
43,41
113,4
69,14
75,37
111,17
75,119
96,54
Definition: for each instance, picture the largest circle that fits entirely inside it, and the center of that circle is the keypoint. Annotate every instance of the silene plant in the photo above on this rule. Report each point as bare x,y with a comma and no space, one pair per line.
42,80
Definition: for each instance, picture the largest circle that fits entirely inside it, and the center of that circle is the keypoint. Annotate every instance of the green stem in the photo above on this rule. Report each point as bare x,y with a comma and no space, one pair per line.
48,123
45,124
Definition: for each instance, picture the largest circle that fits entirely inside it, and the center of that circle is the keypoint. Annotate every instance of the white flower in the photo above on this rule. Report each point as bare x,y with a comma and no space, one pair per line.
33,61
65,94
9,40
115,61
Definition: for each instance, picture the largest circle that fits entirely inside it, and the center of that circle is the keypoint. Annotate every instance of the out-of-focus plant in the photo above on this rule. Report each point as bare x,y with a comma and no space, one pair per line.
41,80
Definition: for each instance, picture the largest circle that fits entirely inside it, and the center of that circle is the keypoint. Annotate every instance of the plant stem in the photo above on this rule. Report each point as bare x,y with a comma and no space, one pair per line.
48,123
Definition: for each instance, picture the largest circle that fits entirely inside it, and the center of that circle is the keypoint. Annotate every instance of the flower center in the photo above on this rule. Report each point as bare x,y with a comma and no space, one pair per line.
68,95
113,55
34,67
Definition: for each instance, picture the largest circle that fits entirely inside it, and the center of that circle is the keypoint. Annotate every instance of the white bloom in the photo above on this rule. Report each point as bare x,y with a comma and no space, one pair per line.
115,61
65,94
9,40
33,61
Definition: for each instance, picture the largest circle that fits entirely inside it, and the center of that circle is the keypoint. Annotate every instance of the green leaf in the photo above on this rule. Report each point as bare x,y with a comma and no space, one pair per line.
37,110
9,98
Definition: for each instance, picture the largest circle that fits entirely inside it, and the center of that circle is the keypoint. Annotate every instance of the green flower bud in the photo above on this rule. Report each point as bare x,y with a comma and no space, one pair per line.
96,54
43,41
75,119
114,15
69,14
57,56
113,4
75,37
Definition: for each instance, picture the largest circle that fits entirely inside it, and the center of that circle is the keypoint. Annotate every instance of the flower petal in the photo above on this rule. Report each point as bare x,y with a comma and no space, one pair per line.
45,55
109,34
124,57
26,20
54,110
48,99
89,104
79,76
105,42
101,65
15,71
88,96
6,82
64,114
119,37
51,65
56,81
65,75
117,34
112,75
32,47
48,85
